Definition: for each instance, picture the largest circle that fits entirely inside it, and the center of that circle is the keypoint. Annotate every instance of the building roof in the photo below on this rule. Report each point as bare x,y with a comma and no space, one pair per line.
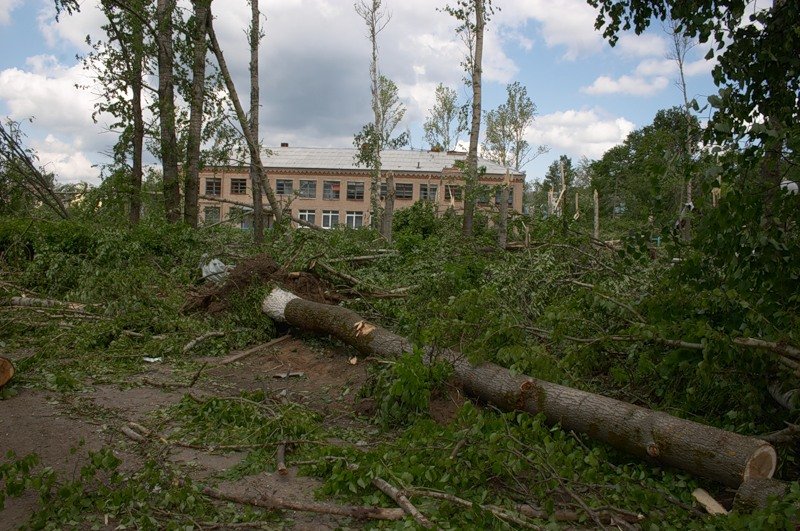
405,160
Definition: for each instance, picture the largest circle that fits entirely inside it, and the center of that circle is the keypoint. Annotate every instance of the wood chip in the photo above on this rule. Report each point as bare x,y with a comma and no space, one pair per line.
708,503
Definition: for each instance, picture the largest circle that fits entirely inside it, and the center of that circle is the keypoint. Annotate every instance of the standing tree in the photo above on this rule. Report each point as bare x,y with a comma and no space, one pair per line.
119,64
255,38
370,141
376,20
505,141
192,172
166,109
446,120
472,16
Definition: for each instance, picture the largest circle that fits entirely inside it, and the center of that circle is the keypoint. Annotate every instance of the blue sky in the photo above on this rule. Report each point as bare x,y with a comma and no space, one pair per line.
314,74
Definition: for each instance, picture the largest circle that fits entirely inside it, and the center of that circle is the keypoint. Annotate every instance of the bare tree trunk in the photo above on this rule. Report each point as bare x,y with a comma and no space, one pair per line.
703,450
137,170
255,37
252,143
502,224
191,185
388,211
166,109
474,135
596,215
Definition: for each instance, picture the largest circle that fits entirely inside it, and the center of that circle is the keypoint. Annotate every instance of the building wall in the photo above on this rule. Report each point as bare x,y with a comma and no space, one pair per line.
230,182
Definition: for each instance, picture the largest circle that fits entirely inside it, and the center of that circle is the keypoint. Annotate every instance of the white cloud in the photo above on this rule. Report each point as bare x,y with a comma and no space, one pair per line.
656,67
71,29
632,85
66,160
579,132
6,8
645,45
564,23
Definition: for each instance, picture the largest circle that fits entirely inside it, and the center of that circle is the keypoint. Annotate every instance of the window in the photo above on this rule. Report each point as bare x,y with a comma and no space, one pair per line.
404,191
354,219
211,215
452,192
238,186
510,196
330,218
308,189
384,188
355,191
428,192
213,186
309,216
330,190
283,186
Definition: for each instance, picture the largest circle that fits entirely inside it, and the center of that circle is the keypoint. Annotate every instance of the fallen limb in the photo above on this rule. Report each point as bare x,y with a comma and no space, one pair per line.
33,302
252,350
787,435
401,500
498,512
703,450
273,502
6,371
365,258
353,281
280,457
196,341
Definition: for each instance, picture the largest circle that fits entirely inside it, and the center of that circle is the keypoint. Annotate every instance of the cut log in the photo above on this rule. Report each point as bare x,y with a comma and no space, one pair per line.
6,371
706,451
755,494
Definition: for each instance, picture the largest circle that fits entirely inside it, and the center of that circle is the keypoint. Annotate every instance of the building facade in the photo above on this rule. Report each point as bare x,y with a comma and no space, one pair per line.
324,186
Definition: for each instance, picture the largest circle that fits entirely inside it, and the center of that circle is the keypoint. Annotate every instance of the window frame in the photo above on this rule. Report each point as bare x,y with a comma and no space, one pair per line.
354,186
425,191
236,182
311,186
334,186
354,214
207,209
406,186
280,187
448,192
308,215
328,215
213,181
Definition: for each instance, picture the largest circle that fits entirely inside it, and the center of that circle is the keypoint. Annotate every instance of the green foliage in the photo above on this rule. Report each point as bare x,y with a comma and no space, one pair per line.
155,497
404,388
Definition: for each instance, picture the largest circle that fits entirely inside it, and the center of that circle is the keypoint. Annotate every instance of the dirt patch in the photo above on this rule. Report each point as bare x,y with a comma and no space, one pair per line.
444,406
254,271
41,423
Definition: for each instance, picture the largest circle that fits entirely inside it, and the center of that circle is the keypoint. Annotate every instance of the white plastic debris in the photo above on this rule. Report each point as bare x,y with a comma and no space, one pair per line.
148,359
214,270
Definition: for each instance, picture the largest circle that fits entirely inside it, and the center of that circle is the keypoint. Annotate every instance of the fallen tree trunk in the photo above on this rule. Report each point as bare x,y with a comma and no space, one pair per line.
703,450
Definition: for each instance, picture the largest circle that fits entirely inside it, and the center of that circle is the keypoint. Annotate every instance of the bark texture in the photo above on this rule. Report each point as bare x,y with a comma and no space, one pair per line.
475,129
723,456
192,173
166,110
138,122
255,178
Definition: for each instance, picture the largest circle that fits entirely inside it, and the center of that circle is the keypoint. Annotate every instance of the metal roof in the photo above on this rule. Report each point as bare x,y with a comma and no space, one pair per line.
391,160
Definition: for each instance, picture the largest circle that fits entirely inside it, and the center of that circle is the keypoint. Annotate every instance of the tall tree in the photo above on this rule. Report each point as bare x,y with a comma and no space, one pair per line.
376,20
472,16
255,38
166,109
370,141
446,120
505,141
119,64
192,172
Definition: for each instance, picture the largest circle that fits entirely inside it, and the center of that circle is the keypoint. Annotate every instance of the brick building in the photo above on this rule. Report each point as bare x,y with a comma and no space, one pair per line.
325,187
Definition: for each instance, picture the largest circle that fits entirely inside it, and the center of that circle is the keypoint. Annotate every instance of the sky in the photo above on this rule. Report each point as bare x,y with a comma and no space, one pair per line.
315,74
